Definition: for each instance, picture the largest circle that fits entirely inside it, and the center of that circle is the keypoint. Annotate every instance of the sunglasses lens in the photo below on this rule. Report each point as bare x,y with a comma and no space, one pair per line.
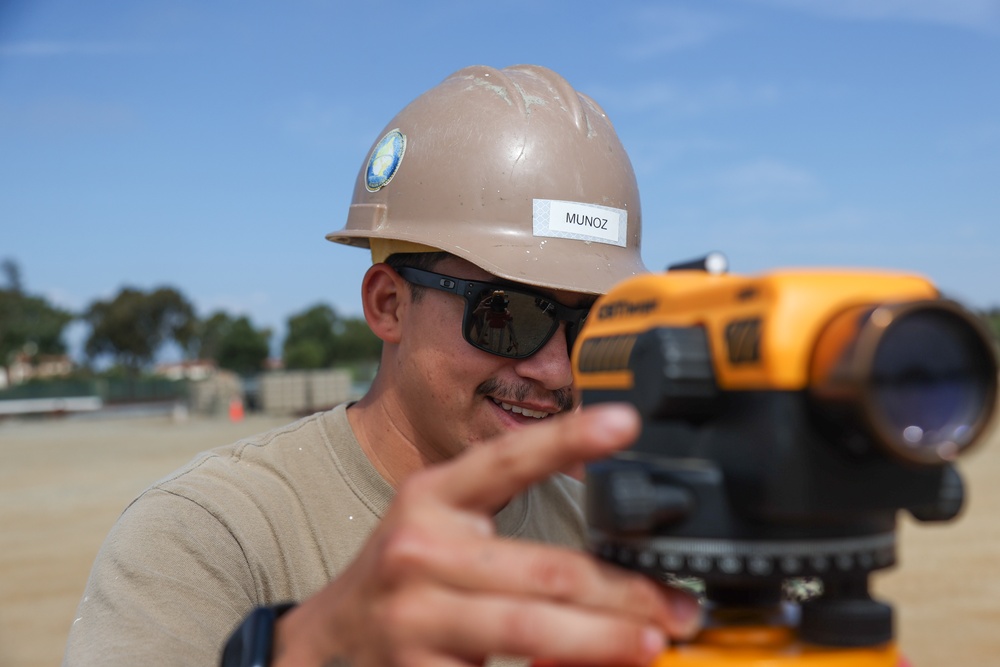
510,324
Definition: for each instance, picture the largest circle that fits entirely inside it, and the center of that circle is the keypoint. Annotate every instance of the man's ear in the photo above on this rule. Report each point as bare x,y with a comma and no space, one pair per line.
383,294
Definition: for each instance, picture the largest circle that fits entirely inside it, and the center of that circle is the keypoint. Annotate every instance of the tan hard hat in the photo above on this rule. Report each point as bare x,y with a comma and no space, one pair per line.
512,170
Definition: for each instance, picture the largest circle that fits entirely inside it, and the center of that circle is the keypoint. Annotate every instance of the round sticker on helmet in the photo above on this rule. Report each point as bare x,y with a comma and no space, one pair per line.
385,159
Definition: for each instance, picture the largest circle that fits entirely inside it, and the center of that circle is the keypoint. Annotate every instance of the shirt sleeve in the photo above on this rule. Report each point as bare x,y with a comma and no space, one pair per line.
168,586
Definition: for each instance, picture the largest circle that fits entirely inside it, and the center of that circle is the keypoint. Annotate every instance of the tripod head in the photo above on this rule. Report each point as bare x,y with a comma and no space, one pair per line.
787,419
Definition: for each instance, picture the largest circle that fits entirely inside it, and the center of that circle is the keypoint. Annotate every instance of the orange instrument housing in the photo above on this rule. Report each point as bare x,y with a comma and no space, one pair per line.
787,418
761,329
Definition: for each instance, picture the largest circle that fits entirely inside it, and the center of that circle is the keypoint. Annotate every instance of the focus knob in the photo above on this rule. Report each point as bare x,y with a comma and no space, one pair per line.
623,499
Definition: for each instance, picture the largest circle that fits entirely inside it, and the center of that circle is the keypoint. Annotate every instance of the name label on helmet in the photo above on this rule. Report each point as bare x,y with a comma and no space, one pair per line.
585,222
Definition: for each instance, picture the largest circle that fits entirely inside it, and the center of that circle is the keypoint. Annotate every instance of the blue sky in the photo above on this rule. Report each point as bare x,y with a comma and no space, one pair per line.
210,146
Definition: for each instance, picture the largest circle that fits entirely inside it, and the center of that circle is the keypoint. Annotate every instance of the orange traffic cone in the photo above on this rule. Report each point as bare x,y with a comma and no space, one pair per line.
235,410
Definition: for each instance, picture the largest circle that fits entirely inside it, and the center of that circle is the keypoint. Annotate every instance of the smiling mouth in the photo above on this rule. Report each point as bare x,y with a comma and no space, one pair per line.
518,410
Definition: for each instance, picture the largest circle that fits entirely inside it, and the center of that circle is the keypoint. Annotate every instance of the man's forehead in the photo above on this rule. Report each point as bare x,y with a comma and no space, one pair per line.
460,268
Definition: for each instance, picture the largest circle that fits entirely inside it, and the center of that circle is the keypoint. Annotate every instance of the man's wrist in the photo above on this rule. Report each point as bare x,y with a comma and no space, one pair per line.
250,644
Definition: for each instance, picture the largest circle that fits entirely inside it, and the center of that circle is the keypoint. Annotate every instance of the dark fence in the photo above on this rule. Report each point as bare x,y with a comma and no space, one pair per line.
109,390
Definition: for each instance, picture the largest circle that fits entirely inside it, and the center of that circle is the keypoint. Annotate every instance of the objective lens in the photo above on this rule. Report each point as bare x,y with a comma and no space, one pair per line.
918,377
931,384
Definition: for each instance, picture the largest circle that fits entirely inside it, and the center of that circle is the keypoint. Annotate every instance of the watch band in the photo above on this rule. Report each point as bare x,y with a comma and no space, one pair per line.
250,643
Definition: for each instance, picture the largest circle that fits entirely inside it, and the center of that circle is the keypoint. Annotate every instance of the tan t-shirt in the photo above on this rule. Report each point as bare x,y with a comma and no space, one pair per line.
266,520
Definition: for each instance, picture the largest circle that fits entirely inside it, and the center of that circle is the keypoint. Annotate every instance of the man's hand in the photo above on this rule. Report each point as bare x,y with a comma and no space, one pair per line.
434,585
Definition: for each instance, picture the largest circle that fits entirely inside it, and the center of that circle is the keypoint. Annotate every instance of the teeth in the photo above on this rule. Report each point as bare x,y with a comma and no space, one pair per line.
537,414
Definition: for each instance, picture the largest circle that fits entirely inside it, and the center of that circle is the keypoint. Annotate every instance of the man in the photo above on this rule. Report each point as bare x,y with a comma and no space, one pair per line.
388,522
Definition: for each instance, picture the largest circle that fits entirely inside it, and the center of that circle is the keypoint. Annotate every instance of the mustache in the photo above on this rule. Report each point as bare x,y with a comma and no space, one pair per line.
519,391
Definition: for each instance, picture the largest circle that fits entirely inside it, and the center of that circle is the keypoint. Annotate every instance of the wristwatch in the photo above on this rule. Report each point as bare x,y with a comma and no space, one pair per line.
250,644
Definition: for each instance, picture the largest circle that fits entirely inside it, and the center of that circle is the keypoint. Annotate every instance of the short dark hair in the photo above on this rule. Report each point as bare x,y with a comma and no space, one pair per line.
418,260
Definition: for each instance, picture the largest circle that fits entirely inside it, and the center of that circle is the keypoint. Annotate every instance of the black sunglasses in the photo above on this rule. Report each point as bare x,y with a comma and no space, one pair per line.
506,320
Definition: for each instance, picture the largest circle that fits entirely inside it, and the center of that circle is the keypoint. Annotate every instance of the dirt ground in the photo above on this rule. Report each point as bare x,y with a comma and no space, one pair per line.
63,483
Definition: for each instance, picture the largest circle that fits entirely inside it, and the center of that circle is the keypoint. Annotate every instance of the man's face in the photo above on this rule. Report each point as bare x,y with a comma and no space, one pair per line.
456,395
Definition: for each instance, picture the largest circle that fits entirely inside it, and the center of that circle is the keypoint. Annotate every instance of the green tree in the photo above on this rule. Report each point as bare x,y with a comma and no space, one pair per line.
134,326
319,338
28,324
209,334
12,274
310,338
243,348
305,354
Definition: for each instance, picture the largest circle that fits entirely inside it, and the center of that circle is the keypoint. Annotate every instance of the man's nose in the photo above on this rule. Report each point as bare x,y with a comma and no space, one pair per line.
549,366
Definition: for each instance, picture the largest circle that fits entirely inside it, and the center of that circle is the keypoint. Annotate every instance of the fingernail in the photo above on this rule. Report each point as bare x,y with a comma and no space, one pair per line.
615,420
685,613
653,642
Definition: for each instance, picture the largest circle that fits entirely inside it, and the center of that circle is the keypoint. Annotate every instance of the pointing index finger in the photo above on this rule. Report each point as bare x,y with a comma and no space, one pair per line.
488,475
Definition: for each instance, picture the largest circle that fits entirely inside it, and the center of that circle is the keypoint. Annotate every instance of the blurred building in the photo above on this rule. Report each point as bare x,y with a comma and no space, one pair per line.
191,369
303,392
24,367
